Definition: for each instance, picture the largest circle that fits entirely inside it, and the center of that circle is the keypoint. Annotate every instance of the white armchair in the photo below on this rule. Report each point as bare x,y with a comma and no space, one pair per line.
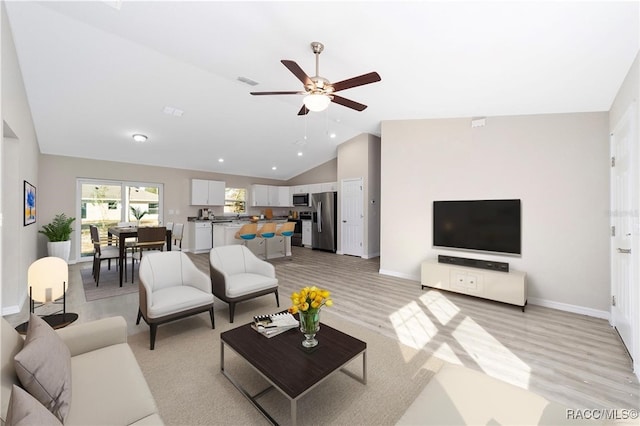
238,275
171,287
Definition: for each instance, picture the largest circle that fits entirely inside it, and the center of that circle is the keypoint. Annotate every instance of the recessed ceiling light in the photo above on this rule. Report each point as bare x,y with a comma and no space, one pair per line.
332,135
220,160
139,137
300,154
274,168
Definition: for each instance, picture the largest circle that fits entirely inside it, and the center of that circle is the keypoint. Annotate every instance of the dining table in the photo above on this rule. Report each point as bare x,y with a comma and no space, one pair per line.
122,233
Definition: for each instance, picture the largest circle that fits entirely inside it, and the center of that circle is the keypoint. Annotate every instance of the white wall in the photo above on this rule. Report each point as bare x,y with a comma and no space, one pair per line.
556,164
19,163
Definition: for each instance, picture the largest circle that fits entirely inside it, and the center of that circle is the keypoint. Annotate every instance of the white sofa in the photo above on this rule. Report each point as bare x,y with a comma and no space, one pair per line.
458,395
107,385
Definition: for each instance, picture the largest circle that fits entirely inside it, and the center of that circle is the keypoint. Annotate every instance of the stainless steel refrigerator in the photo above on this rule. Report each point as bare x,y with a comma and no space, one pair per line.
324,226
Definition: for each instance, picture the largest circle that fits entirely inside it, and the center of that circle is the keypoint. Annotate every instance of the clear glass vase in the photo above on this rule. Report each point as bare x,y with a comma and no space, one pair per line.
309,326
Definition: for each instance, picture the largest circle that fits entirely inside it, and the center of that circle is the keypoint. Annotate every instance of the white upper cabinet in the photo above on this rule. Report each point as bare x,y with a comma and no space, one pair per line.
259,195
270,196
207,192
314,188
300,189
284,198
329,186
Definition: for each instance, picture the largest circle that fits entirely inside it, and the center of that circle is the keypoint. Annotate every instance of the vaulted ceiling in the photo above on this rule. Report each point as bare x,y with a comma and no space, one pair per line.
97,72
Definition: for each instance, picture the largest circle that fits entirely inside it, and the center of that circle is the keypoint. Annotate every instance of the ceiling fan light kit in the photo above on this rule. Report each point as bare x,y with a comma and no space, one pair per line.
319,91
316,102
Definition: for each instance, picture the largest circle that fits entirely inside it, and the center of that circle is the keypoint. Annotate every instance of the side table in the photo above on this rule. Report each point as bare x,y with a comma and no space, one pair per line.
55,321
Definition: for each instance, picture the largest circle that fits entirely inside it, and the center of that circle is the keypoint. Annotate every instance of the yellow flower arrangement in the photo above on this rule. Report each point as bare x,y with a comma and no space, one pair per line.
310,300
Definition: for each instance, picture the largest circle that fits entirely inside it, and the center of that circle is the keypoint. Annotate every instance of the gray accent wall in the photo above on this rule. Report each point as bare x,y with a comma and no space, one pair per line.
557,164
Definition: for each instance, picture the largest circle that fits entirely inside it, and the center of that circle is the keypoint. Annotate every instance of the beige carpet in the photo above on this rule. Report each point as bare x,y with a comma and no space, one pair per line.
183,373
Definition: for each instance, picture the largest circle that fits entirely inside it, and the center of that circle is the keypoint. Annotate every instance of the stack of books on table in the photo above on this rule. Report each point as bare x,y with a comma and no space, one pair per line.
274,324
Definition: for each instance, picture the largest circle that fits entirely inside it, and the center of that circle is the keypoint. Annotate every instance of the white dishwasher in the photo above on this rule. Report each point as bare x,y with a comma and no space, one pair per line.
202,240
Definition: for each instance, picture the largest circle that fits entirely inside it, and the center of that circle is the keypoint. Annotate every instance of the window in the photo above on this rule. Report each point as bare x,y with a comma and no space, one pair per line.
106,203
235,200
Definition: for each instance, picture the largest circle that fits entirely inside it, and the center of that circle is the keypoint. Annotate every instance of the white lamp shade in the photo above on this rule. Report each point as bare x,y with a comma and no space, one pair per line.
316,102
48,278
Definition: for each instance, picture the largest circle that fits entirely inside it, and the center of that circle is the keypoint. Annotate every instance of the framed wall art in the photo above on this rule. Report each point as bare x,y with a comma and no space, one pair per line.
29,203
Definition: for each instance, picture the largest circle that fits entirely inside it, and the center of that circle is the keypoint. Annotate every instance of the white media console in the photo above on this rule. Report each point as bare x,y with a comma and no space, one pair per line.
507,287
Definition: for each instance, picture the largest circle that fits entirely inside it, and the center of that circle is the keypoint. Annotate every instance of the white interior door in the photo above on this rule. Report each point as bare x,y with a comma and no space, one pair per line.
352,218
625,231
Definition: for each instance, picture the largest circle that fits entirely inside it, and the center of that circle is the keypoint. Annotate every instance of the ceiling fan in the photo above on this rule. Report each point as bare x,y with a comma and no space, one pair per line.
319,91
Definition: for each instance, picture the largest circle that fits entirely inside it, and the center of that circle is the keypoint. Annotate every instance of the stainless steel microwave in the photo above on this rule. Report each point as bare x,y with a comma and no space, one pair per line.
301,199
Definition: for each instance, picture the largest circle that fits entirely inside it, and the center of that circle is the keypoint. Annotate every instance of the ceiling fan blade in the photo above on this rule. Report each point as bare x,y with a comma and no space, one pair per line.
276,93
361,80
348,103
297,71
303,110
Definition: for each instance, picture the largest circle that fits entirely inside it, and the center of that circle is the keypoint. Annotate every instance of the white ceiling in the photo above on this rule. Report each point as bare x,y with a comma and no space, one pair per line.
94,74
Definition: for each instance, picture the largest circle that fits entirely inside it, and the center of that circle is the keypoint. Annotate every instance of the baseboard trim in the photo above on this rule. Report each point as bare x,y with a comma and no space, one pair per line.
10,310
371,255
399,275
569,308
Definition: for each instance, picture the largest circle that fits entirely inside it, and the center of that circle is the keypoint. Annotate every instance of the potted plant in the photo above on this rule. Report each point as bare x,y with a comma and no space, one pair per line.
58,231
137,213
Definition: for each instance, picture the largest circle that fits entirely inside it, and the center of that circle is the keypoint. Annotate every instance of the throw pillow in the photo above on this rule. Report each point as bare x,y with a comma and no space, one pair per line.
44,367
25,410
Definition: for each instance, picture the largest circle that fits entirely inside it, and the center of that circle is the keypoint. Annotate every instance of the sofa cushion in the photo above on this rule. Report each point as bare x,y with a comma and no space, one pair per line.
109,389
177,299
44,367
25,410
10,345
241,284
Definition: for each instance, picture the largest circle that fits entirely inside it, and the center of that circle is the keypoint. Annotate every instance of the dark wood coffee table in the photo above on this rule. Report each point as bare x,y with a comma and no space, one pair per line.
287,366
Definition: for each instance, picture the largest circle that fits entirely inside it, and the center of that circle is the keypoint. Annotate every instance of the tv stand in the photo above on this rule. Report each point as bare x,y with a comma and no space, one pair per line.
507,287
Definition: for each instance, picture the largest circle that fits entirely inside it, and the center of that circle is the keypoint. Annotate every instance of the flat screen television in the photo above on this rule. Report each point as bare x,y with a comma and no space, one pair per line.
480,225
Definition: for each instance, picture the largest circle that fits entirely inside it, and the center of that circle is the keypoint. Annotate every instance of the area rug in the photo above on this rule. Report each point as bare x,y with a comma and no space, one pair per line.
109,283
184,375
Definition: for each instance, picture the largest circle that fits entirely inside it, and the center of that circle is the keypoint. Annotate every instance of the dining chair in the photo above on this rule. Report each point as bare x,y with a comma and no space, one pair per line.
106,250
149,238
176,236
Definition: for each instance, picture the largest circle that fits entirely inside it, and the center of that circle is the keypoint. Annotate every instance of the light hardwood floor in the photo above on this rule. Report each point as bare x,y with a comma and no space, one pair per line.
573,359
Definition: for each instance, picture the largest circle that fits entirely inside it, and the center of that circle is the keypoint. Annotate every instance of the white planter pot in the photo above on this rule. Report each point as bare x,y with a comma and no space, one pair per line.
60,249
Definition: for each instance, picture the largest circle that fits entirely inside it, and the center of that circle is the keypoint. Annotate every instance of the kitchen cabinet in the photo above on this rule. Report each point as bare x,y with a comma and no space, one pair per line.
329,186
270,196
306,233
315,188
300,189
207,192
200,236
259,195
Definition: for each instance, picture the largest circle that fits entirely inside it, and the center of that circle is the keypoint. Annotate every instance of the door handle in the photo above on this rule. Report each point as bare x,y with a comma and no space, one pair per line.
624,251
344,221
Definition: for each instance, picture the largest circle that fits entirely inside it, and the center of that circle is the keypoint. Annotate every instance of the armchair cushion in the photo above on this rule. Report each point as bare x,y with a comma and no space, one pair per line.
171,300
44,367
243,284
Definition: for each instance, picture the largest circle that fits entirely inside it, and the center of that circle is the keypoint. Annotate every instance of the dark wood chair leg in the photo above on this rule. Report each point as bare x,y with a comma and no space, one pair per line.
277,299
98,272
213,322
152,330
232,309
139,316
